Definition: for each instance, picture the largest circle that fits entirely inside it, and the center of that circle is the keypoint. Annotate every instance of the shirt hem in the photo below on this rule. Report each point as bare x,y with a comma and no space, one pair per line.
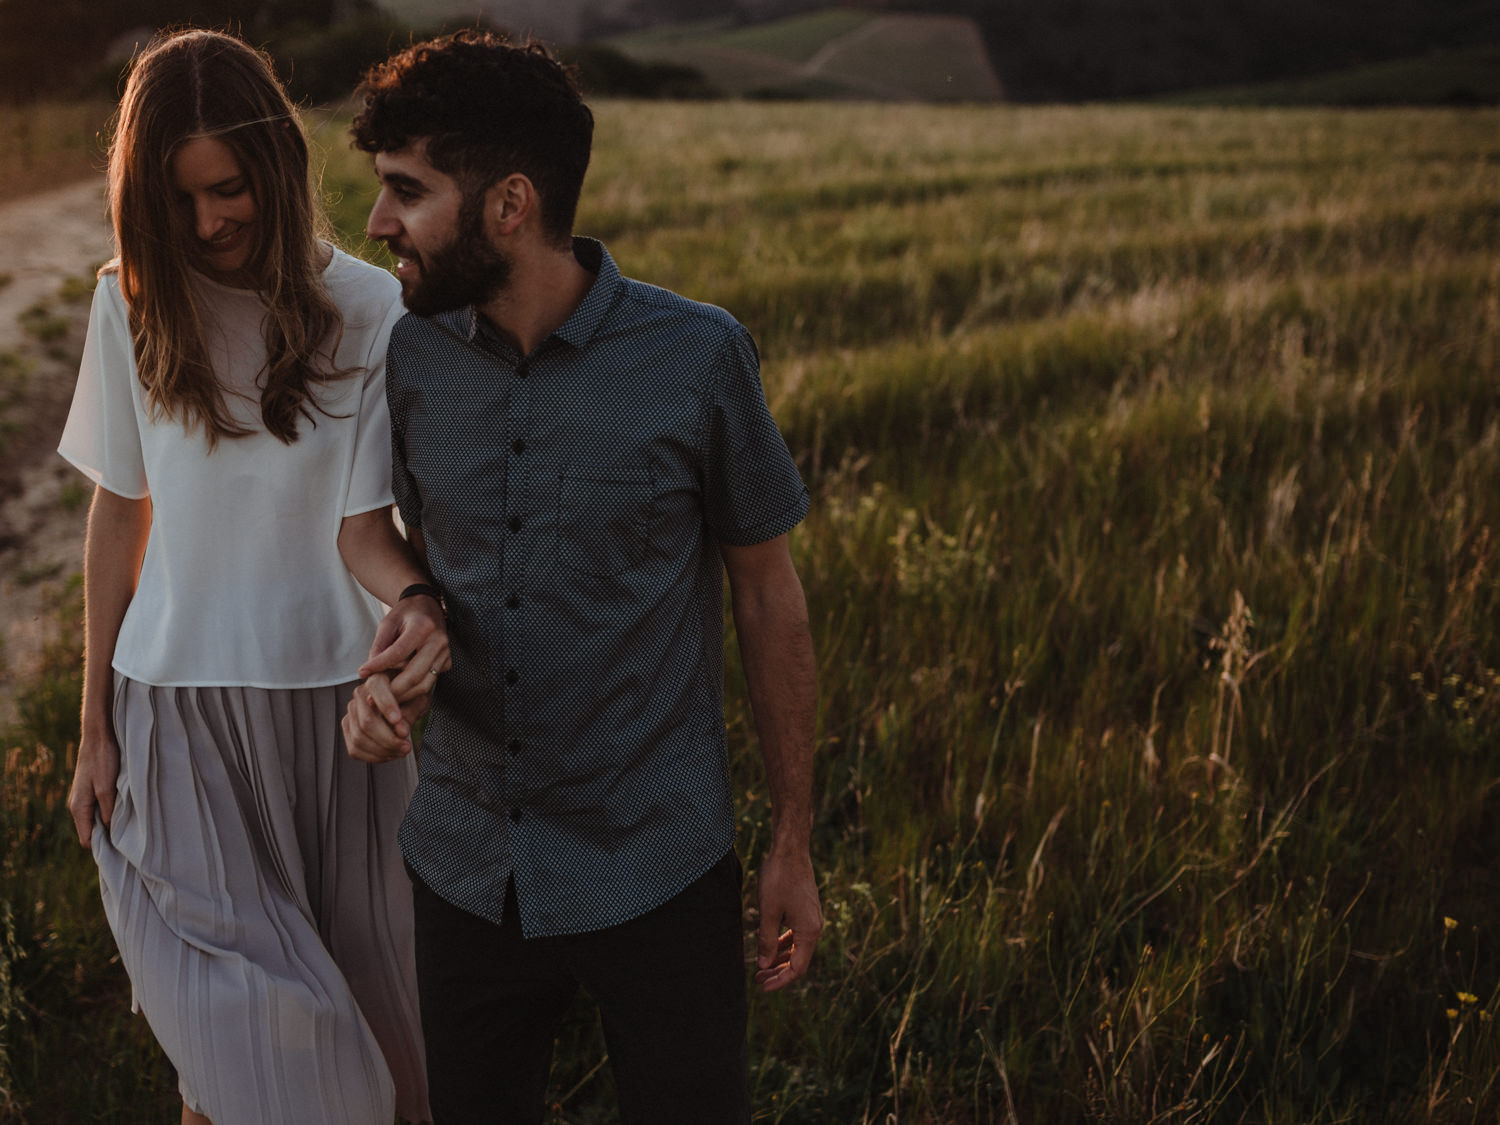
361,509
762,532
492,913
97,476
235,681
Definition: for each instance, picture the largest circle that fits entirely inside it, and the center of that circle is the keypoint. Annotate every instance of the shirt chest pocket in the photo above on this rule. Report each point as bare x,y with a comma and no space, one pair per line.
603,519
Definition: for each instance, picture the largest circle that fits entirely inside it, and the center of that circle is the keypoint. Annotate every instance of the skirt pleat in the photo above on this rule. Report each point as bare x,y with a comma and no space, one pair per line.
251,877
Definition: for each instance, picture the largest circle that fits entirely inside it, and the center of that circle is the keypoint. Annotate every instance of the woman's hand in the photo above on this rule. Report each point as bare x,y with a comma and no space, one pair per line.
118,529
377,727
409,653
94,779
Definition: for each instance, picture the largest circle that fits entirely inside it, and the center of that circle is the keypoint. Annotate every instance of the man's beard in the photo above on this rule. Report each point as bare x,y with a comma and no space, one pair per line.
467,271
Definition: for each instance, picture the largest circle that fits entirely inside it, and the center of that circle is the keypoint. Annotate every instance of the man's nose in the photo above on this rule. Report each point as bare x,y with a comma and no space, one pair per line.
380,223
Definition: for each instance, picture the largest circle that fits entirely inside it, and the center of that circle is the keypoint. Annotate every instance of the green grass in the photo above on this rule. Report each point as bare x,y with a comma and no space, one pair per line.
79,290
15,376
1152,569
43,325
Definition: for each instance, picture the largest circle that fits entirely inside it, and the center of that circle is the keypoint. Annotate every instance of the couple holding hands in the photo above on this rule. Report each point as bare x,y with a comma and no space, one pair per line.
317,930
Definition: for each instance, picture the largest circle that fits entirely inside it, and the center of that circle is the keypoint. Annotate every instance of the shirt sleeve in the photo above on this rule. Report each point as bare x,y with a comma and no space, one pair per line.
370,472
752,490
102,437
403,486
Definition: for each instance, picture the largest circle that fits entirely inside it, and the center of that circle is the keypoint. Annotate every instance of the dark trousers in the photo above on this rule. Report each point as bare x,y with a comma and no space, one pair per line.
670,986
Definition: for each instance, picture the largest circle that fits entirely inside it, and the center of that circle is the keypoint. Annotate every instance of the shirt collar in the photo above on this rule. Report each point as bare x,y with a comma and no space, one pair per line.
581,326
584,321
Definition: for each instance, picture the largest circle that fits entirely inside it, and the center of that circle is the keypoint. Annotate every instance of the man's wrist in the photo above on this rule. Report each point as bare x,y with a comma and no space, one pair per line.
424,590
791,840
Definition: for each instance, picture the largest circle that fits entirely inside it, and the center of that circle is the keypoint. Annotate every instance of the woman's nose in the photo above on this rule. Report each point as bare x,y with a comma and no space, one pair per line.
207,218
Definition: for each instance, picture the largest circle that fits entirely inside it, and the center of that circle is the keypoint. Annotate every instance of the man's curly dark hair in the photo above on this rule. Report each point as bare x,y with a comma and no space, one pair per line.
486,108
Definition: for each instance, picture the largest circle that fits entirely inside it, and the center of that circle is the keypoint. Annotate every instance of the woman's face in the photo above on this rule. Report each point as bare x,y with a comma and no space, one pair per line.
215,194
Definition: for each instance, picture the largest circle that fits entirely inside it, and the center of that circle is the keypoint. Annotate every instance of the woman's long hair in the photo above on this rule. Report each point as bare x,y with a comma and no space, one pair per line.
194,84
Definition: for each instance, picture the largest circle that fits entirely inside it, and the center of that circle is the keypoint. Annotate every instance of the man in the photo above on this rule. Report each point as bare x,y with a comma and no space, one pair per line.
579,457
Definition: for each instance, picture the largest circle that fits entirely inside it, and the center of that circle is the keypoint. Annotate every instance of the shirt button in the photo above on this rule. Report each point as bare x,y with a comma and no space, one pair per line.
515,816
515,746
510,676
512,602
518,446
515,523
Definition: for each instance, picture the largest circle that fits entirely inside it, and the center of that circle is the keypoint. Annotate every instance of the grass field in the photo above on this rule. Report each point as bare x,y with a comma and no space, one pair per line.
1152,566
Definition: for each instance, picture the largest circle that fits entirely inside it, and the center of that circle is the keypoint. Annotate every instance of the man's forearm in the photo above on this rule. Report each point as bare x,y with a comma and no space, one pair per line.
776,647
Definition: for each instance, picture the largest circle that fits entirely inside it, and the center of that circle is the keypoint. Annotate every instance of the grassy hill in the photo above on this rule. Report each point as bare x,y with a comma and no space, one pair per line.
434,13
1458,77
838,53
1153,575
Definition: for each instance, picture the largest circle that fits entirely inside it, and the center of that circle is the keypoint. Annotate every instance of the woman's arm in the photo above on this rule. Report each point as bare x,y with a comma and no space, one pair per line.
116,543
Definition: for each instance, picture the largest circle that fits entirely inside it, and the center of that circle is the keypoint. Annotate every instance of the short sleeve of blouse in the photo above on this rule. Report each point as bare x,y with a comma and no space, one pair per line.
102,437
370,475
752,490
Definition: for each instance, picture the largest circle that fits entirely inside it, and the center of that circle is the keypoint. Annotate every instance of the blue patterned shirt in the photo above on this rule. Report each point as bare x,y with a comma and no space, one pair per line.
572,502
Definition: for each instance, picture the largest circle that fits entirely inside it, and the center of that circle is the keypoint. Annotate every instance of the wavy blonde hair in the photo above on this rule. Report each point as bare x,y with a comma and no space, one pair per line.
192,84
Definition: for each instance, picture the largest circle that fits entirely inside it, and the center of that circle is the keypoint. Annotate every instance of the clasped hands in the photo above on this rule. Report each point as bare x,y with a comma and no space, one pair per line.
409,653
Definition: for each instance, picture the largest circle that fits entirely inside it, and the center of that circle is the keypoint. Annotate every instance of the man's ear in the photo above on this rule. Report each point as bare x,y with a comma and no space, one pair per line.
510,202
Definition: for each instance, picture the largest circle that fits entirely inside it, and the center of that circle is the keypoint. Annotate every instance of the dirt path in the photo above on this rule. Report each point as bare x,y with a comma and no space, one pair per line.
51,239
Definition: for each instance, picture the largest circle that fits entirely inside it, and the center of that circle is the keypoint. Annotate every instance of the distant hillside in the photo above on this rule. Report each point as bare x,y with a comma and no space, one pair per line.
561,21
1040,50
835,53
1463,77
1097,50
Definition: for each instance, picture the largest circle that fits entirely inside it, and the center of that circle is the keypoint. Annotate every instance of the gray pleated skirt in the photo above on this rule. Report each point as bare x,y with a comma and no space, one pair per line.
251,877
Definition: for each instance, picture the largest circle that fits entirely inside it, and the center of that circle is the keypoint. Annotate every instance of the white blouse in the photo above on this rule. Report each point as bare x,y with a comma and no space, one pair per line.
242,583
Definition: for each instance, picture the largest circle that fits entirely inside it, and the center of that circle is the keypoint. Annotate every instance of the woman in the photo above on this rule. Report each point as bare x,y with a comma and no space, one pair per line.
231,409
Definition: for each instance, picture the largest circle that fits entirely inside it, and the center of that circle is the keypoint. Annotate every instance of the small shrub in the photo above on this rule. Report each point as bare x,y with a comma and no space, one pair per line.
41,323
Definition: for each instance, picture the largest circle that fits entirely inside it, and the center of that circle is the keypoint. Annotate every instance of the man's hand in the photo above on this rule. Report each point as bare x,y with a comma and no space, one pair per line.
770,615
94,784
789,896
412,637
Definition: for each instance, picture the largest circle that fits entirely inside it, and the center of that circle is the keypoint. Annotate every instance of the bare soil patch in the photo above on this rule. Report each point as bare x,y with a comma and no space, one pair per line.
55,240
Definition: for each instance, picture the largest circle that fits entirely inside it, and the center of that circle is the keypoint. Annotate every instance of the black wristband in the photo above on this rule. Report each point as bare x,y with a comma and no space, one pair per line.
422,589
